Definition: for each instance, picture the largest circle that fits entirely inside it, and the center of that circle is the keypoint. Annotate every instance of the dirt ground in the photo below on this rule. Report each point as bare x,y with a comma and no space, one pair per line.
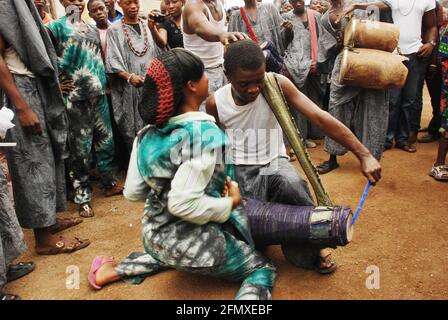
402,230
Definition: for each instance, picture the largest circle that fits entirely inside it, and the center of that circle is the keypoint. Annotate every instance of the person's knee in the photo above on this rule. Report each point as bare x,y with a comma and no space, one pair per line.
293,187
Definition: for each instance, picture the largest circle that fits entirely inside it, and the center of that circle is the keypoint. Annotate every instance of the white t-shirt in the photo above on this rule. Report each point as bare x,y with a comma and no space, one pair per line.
253,129
408,15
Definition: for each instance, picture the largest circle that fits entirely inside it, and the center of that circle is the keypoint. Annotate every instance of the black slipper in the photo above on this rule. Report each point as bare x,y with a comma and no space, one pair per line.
17,271
326,167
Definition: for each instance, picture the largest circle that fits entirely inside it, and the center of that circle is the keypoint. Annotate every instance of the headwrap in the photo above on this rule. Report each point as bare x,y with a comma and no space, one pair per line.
162,90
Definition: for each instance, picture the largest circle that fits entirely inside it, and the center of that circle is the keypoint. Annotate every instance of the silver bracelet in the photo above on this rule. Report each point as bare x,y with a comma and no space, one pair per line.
130,77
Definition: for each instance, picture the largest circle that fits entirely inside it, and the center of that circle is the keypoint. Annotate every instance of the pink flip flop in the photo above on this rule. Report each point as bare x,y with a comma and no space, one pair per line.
97,263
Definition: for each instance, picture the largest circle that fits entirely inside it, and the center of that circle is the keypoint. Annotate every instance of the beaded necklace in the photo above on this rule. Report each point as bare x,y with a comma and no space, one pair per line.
128,39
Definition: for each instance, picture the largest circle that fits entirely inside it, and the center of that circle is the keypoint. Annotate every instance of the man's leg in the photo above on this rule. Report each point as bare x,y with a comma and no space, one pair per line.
286,185
343,113
104,146
394,115
434,84
409,120
81,120
421,67
371,119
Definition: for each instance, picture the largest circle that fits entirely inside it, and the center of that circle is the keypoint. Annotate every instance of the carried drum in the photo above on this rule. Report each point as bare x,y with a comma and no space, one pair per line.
372,69
371,34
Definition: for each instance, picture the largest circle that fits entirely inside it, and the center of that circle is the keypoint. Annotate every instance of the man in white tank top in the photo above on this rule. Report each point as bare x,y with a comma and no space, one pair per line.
262,169
205,34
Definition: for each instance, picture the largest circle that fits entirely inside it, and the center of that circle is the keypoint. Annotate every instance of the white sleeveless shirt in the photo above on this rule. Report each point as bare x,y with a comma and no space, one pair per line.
211,53
253,129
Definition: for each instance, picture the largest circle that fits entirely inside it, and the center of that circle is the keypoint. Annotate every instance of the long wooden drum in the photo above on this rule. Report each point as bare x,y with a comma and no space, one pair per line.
373,69
371,35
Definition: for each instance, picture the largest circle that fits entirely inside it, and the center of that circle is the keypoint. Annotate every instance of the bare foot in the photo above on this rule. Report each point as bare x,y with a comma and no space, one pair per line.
106,274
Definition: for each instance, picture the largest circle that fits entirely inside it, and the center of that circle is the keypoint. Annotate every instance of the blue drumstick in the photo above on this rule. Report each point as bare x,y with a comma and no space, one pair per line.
361,203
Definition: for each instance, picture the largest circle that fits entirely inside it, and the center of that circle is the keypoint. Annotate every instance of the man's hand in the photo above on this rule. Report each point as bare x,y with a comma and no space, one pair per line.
29,120
151,23
425,50
137,81
346,11
67,87
371,168
287,25
229,37
232,190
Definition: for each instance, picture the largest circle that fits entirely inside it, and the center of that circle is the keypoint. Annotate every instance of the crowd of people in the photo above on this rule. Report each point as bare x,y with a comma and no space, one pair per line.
91,99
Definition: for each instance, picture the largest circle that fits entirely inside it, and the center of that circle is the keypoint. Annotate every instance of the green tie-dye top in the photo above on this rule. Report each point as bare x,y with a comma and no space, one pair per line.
162,150
80,58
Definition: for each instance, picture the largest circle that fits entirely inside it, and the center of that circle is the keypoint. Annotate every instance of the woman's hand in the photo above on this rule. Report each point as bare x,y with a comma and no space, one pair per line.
371,168
232,190
67,87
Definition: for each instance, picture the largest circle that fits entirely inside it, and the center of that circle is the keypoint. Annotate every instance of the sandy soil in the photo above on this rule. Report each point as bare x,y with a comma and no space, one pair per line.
402,231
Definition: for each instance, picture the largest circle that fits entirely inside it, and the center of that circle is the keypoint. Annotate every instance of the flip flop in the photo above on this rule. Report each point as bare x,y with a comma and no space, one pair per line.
86,210
61,247
19,270
97,263
328,260
326,167
64,224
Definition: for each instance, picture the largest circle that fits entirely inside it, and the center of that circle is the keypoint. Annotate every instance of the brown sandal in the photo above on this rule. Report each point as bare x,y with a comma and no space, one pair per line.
86,211
61,247
113,190
64,224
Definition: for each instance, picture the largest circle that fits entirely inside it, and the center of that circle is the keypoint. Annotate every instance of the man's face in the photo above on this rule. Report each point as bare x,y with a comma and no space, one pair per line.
298,5
247,84
316,5
40,4
76,5
130,8
174,7
110,4
98,12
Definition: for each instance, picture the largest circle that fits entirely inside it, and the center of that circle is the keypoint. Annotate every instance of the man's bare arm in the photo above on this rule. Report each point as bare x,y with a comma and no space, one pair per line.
331,127
195,21
430,34
381,5
28,119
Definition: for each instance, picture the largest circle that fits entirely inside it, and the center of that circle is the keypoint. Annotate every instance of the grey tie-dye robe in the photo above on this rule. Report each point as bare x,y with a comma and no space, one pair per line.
125,97
12,244
267,26
365,111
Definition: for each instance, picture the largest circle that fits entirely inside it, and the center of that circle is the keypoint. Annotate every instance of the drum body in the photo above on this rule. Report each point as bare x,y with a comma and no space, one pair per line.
373,69
273,223
371,34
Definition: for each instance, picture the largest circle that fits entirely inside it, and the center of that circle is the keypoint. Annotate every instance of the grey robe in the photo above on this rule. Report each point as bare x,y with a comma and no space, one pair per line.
12,244
125,97
365,111
298,63
36,164
266,27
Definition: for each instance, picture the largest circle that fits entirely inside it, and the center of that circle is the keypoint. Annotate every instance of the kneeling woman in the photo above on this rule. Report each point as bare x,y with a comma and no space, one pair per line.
177,167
